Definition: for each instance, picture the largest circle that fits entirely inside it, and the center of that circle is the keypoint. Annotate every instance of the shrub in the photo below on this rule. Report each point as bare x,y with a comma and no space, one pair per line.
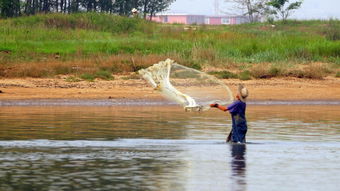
223,74
332,31
260,71
295,73
72,79
265,71
104,74
270,20
202,53
88,77
244,75
62,69
313,71
274,71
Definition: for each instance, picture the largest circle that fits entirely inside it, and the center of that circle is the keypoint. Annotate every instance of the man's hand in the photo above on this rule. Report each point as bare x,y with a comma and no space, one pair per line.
214,105
219,106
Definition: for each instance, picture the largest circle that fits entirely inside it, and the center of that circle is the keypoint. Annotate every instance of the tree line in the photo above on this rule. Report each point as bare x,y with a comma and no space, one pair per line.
14,8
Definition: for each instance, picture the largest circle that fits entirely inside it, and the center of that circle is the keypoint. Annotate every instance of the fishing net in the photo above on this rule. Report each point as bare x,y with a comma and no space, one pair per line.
193,89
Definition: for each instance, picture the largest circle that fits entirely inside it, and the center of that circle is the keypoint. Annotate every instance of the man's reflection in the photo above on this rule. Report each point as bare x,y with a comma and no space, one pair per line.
238,166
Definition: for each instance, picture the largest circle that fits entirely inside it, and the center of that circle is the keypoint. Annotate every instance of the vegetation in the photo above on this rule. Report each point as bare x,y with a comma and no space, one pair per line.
101,44
14,8
257,9
337,75
283,8
223,74
245,75
254,9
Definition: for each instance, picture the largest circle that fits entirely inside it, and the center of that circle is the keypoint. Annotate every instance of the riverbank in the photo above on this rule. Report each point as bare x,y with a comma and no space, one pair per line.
277,89
91,45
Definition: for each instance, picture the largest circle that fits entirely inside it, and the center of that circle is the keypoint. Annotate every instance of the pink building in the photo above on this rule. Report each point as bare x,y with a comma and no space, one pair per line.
180,19
200,19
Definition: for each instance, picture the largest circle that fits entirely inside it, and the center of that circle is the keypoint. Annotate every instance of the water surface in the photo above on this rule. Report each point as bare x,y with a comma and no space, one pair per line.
165,148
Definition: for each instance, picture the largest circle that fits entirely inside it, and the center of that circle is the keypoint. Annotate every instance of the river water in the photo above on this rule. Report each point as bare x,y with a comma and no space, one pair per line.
161,147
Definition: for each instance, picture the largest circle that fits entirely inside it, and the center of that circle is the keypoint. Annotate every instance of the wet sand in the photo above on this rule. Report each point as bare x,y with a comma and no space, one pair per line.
278,89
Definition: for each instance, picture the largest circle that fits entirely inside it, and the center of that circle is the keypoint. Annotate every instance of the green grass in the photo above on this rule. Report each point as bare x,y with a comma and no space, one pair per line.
104,74
245,75
88,77
101,74
72,79
88,36
223,74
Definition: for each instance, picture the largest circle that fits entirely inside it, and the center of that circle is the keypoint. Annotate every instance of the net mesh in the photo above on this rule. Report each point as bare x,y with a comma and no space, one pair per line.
192,89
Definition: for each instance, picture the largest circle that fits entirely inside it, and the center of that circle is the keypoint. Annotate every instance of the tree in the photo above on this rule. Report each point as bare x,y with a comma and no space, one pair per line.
9,8
282,8
152,7
124,7
105,5
254,9
13,8
74,6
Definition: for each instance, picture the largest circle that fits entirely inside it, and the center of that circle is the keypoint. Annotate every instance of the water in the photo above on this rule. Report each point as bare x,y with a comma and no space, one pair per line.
163,148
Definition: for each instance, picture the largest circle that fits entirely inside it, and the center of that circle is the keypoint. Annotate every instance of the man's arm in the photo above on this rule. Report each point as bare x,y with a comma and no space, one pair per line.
219,106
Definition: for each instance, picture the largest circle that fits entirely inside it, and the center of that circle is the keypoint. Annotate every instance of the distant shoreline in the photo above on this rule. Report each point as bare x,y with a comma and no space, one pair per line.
142,102
262,90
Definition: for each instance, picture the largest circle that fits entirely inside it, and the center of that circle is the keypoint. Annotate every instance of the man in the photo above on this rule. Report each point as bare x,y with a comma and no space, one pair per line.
237,110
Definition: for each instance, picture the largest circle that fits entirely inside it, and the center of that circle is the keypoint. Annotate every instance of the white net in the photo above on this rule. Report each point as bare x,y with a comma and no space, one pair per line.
192,89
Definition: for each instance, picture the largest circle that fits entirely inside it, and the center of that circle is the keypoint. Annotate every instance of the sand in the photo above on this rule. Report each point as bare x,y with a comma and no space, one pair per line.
263,89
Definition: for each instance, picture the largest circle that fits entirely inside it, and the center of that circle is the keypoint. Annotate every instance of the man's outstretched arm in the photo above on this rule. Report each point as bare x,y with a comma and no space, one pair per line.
219,106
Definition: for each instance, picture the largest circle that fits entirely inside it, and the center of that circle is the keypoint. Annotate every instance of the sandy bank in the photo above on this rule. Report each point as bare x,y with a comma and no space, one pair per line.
266,89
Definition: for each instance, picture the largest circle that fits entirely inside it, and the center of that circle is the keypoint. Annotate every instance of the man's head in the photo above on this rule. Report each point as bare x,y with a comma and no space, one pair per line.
242,93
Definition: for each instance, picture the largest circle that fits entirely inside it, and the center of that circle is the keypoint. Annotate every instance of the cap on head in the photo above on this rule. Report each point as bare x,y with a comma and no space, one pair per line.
243,92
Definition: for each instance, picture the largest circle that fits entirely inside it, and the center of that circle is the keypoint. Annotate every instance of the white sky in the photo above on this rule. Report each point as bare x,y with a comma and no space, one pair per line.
310,9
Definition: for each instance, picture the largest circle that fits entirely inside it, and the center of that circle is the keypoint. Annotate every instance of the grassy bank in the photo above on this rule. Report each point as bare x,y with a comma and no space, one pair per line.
93,44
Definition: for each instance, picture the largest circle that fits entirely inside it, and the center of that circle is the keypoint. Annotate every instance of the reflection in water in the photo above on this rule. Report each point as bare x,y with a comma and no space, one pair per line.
238,166
89,169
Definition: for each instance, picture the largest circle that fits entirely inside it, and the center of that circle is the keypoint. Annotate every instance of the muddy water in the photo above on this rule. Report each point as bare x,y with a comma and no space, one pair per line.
164,148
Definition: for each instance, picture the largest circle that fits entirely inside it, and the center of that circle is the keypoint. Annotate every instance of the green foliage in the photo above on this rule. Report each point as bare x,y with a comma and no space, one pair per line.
270,20
88,77
92,33
245,75
332,30
13,8
282,9
266,71
223,74
9,8
103,74
274,71
86,21
72,79
88,36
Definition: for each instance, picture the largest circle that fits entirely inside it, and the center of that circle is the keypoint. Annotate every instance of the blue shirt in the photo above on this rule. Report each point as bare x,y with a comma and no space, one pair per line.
239,122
